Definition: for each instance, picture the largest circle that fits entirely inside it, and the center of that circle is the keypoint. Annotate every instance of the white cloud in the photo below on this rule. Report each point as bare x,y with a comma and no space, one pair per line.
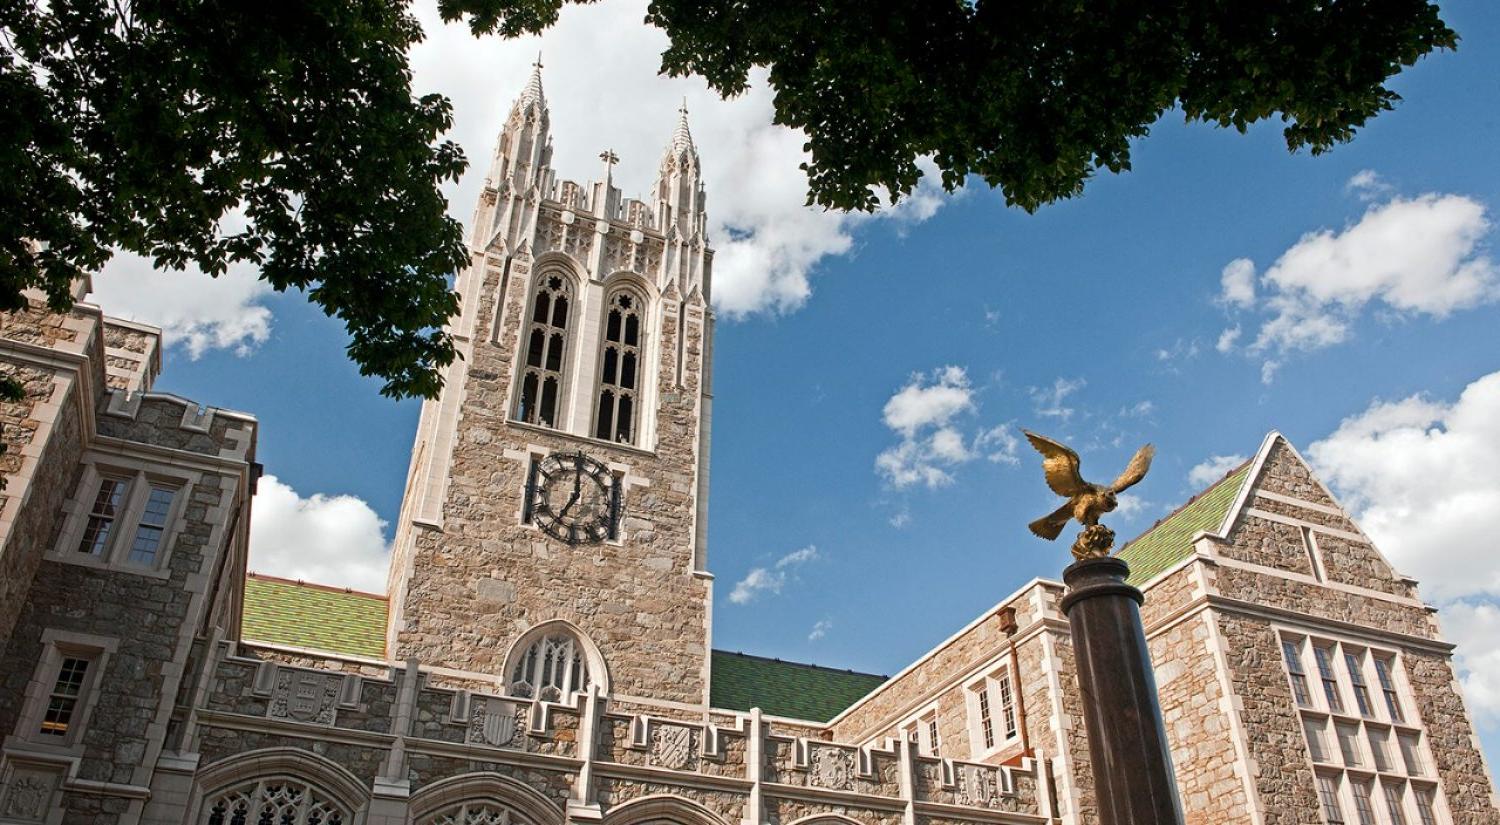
1416,256
1237,283
1228,338
1422,478
1140,409
768,242
1422,475
1048,401
1367,185
900,518
761,580
998,444
924,402
1130,504
1207,472
819,630
194,311
333,540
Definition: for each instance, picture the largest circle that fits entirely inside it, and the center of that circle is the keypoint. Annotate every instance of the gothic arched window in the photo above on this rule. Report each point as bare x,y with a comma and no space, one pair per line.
544,346
274,801
475,812
620,368
550,668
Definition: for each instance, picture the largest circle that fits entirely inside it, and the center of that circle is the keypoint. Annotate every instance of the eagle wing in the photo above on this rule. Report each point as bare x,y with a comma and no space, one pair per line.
1059,464
1135,470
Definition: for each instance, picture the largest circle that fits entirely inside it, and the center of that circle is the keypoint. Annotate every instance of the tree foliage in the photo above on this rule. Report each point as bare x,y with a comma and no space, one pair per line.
286,134
280,134
1032,96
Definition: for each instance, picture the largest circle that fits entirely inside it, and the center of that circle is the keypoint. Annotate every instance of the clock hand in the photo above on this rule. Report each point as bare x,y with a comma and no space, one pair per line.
571,501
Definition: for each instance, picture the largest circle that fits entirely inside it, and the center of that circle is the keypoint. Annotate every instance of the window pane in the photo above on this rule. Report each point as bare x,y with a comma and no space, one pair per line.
1361,691
622,429
1362,805
1330,683
1388,687
95,536
64,697
1426,807
612,326
1393,804
1294,670
1349,745
1315,746
1380,750
1328,794
606,414
1007,706
147,541
986,727
627,371
1410,754
611,363
560,313
158,505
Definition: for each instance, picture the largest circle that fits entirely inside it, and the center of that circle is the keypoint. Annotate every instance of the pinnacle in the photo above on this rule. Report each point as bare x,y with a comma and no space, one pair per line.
682,139
532,94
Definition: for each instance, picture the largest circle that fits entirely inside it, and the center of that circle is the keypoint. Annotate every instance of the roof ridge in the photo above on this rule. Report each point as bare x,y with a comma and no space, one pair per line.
328,588
1186,504
809,665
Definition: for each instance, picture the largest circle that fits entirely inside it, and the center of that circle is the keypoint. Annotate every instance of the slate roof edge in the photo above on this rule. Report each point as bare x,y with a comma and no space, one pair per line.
317,652
327,588
839,670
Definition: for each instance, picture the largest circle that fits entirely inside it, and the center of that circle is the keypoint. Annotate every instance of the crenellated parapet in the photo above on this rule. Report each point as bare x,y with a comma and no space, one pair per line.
408,731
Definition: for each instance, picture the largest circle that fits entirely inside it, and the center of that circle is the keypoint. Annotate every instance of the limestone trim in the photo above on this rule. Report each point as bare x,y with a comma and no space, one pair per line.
1297,502
1279,573
1068,795
1307,525
226,720
140,477
653,807
292,763
470,787
825,819
684,779
598,669
57,645
1230,705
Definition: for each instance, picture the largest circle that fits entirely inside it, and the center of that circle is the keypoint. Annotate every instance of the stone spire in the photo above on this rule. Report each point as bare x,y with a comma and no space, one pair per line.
532,94
682,138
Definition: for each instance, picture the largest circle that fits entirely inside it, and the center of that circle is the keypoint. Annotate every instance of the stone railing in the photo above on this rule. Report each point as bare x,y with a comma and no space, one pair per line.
749,770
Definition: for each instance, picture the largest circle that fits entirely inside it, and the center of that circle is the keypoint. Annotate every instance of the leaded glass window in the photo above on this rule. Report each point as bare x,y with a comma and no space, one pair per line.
620,369
275,801
551,668
474,812
545,346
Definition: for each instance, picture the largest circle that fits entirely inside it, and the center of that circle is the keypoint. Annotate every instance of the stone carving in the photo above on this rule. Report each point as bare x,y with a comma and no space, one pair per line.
26,798
305,697
833,767
672,746
497,723
976,785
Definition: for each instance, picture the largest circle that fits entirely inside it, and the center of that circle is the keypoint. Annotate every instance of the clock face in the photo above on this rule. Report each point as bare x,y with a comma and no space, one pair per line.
573,498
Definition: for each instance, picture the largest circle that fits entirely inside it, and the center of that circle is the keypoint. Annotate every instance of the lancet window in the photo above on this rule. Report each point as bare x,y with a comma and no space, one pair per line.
620,368
545,348
550,668
275,801
474,812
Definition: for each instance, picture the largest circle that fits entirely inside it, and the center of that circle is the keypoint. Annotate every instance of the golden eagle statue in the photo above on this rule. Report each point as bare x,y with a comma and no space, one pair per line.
1086,501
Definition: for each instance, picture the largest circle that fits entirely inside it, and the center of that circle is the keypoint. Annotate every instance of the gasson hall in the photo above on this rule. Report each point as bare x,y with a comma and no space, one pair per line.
543,652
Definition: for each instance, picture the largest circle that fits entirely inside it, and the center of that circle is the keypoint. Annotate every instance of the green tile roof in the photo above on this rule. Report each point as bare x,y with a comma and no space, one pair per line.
796,691
1169,540
313,616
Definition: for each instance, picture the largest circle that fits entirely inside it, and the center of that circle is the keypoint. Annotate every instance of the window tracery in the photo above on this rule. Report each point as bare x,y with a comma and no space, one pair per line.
620,366
474,812
545,345
274,801
552,667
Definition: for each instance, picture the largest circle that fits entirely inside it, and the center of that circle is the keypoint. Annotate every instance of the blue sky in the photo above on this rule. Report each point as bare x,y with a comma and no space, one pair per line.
1097,320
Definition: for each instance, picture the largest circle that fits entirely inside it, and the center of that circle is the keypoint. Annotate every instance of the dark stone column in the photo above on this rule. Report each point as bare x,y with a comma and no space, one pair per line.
1133,776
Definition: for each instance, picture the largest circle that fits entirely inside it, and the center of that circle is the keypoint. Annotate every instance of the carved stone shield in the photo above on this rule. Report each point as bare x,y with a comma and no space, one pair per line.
833,767
493,722
672,746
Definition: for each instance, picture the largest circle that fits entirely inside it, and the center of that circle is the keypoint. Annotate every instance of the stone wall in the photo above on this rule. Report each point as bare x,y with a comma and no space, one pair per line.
485,579
1272,728
1451,738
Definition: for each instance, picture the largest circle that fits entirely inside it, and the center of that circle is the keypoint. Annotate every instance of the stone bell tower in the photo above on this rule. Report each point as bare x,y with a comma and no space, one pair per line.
555,506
